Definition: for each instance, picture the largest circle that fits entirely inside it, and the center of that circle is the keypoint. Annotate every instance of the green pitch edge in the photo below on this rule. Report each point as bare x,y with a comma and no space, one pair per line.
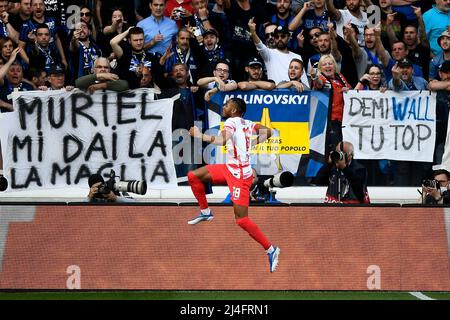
219,295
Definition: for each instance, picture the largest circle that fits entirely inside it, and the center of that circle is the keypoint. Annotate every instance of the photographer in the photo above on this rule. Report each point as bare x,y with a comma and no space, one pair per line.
345,177
95,181
435,191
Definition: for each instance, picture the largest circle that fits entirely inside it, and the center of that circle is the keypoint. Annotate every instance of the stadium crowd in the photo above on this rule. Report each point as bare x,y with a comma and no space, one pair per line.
199,48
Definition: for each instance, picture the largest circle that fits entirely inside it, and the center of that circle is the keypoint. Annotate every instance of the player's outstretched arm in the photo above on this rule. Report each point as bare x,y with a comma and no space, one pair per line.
219,140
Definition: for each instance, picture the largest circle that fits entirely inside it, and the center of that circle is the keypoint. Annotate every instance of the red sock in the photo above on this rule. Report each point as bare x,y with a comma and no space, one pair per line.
198,189
253,230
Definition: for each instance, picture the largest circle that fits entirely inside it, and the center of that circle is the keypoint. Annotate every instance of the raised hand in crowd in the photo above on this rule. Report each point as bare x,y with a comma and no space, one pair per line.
417,11
390,18
251,25
301,39
167,54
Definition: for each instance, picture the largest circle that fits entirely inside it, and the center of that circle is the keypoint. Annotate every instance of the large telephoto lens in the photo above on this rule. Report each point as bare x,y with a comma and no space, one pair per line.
133,186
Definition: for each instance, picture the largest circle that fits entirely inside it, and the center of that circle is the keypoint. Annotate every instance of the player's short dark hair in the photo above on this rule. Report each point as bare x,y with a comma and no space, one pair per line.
240,104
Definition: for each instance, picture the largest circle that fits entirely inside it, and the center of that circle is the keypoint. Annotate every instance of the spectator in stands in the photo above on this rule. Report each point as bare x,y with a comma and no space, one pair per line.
327,76
184,115
399,52
27,35
392,23
368,54
37,77
147,78
104,9
327,45
269,40
132,54
158,30
182,53
437,20
403,77
239,12
7,46
101,79
116,26
255,77
314,14
353,14
22,15
442,87
44,53
84,50
6,29
373,79
220,81
436,190
200,20
345,177
276,60
312,37
418,49
440,58
283,17
210,51
87,16
56,79
295,73
178,9
11,79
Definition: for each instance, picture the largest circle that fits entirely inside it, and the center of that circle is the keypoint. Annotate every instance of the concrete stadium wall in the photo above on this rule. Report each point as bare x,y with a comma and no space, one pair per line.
152,247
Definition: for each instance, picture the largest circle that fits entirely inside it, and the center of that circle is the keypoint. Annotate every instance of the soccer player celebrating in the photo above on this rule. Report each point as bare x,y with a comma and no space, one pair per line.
236,173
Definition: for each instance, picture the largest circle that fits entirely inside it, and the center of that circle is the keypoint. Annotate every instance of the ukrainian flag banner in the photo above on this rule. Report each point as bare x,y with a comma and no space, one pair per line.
299,123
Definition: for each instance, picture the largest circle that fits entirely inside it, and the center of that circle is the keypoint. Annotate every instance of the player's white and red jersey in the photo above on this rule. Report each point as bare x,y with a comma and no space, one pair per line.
239,146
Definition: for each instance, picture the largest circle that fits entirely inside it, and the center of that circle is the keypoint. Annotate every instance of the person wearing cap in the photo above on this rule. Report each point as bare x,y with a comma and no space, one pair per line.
209,51
399,52
276,60
56,79
439,59
403,78
255,74
437,20
101,79
442,88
